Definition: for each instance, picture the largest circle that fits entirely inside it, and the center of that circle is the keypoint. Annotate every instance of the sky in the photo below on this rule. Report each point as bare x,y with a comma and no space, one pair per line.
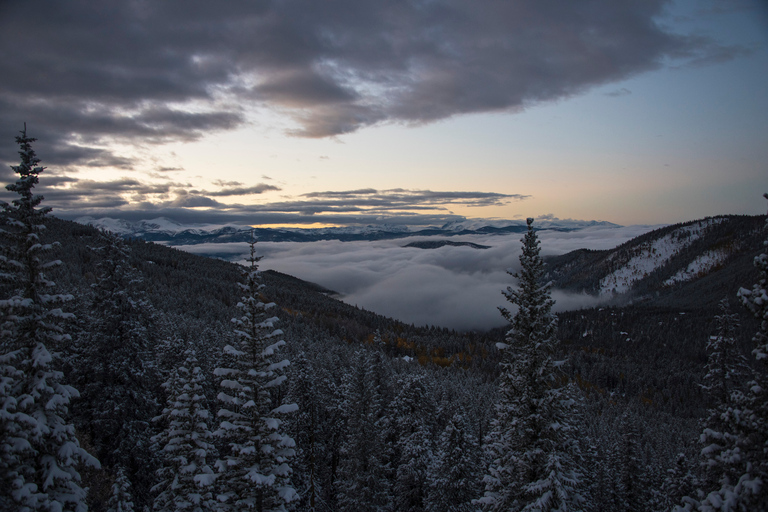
420,112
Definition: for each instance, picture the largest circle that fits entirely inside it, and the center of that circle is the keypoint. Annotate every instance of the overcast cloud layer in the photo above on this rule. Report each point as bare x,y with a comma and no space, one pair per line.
133,200
455,287
87,74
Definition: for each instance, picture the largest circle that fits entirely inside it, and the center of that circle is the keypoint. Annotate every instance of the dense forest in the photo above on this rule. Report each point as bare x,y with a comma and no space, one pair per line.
137,377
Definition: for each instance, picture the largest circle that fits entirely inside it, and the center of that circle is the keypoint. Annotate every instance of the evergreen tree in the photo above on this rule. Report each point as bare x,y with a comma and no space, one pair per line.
680,483
304,430
532,447
115,372
629,488
453,483
411,412
735,438
186,478
727,369
38,448
121,499
255,473
362,479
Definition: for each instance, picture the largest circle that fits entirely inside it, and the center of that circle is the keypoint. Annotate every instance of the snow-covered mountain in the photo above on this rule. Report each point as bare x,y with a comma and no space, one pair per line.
169,231
653,254
693,261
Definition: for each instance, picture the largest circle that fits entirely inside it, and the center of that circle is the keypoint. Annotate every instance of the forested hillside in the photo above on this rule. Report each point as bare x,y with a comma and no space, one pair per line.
688,265
303,402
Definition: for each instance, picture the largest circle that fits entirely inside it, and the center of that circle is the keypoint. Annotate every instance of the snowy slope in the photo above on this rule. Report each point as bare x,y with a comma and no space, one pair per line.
703,264
651,255
160,225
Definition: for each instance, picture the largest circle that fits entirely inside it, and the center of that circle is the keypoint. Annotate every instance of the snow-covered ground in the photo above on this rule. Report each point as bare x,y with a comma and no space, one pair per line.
653,255
158,225
701,265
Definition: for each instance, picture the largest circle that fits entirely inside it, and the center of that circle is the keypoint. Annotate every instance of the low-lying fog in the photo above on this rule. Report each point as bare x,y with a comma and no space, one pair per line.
455,287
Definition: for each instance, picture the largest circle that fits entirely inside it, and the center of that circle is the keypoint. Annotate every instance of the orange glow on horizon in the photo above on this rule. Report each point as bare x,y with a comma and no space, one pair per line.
314,225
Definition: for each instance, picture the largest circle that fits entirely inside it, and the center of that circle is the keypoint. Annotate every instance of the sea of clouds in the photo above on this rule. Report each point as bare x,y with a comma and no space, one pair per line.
454,287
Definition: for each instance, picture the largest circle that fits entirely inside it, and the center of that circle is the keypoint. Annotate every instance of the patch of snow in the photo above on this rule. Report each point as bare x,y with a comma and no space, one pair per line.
163,225
652,255
699,266
116,226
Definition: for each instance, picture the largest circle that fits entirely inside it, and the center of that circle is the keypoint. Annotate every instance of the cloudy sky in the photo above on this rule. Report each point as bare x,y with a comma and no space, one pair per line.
335,112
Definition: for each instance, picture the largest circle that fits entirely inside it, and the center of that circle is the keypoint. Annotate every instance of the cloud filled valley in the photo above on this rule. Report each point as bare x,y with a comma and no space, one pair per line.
454,287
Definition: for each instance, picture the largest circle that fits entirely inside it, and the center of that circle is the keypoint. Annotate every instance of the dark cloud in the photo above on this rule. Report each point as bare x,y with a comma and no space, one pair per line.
152,72
708,53
302,89
74,131
619,92
223,183
133,199
346,194
399,198
194,201
244,215
242,191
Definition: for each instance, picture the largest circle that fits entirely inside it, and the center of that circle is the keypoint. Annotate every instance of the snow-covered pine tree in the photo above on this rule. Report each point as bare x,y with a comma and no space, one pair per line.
532,447
362,480
453,476
254,473
303,427
727,369
756,300
186,443
412,454
38,448
629,480
735,437
121,499
680,483
114,372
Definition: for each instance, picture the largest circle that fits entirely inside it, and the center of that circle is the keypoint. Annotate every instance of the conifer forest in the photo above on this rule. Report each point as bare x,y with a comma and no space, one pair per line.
136,377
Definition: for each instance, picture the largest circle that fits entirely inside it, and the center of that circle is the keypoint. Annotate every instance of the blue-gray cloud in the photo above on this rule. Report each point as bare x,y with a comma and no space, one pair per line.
152,72
132,199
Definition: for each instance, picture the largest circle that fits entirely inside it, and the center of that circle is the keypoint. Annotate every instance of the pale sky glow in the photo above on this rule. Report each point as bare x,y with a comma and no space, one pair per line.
659,125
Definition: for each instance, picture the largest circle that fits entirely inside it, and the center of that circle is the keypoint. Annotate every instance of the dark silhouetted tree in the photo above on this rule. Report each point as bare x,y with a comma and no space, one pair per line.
532,446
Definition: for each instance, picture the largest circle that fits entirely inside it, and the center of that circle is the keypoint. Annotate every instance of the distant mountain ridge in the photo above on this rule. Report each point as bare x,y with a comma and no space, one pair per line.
174,233
690,264
436,244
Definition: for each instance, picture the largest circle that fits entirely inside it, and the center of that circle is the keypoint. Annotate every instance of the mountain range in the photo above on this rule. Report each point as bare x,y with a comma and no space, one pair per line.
689,264
173,233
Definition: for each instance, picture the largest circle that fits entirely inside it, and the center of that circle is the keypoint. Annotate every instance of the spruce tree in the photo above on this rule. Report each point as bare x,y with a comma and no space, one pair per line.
186,444
411,450
121,499
254,473
735,437
38,448
727,369
115,373
532,447
453,479
362,479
